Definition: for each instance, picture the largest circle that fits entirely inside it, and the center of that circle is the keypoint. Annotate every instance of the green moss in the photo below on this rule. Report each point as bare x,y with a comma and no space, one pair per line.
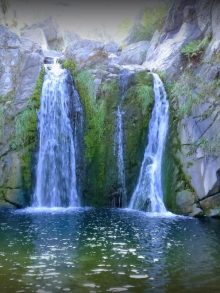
174,179
137,106
71,66
101,178
195,49
26,132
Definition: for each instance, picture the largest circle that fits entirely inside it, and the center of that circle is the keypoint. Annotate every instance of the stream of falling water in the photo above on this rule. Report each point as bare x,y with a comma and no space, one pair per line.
56,168
148,194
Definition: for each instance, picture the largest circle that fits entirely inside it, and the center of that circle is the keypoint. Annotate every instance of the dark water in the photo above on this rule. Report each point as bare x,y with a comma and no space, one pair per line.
107,251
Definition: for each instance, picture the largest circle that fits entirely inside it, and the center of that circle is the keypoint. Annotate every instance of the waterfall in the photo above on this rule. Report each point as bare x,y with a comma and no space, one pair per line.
56,168
119,139
120,157
148,194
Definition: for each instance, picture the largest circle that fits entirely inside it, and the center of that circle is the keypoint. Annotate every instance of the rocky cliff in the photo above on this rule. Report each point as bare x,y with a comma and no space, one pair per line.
188,52
21,62
185,52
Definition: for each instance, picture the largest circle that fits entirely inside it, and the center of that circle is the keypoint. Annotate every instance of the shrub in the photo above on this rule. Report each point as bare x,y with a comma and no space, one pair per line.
195,49
26,121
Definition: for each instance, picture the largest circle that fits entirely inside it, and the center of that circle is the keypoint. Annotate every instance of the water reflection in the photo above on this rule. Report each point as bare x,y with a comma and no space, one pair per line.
107,251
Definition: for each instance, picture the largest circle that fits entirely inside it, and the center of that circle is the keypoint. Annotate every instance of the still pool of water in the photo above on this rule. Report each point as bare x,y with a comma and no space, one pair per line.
92,250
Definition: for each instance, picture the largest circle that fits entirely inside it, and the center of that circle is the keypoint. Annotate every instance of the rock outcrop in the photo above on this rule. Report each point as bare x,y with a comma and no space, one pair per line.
193,76
134,53
21,62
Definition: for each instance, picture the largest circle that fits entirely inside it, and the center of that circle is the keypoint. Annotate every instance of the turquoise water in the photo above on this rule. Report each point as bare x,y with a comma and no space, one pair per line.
91,250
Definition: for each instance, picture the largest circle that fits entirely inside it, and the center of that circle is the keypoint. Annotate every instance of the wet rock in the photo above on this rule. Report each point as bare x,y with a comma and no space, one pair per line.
86,52
70,38
210,203
36,35
134,53
185,202
21,61
167,54
196,211
46,34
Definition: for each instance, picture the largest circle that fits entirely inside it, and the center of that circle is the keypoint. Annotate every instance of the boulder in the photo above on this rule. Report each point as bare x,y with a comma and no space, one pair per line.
46,34
36,35
10,53
111,47
70,38
21,61
31,62
211,202
134,53
167,54
86,52
185,201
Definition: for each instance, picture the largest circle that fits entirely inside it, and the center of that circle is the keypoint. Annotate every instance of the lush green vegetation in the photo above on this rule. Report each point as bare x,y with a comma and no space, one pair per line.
195,49
174,177
138,104
100,125
26,132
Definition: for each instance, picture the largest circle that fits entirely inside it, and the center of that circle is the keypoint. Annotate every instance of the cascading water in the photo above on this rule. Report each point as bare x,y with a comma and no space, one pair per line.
119,140
56,168
148,194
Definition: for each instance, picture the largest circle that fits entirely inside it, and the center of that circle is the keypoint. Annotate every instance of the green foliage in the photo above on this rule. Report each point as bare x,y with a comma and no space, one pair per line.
71,66
94,111
26,121
174,178
195,48
137,106
26,132
184,90
101,179
151,20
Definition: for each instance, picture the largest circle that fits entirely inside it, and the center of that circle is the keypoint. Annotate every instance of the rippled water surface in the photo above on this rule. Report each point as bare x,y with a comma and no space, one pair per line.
89,250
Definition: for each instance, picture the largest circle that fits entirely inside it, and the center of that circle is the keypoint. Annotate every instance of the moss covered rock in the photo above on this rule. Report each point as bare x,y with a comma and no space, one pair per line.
100,101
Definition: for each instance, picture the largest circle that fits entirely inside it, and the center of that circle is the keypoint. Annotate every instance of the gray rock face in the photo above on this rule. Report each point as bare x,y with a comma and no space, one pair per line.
46,34
9,55
70,38
199,125
185,200
214,47
134,53
186,21
21,62
36,35
86,52
166,56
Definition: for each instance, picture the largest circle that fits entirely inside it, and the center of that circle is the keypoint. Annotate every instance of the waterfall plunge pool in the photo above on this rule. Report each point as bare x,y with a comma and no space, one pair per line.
107,250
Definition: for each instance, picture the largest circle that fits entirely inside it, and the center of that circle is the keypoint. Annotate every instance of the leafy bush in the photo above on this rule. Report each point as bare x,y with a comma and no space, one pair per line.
71,66
26,121
195,48
26,132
